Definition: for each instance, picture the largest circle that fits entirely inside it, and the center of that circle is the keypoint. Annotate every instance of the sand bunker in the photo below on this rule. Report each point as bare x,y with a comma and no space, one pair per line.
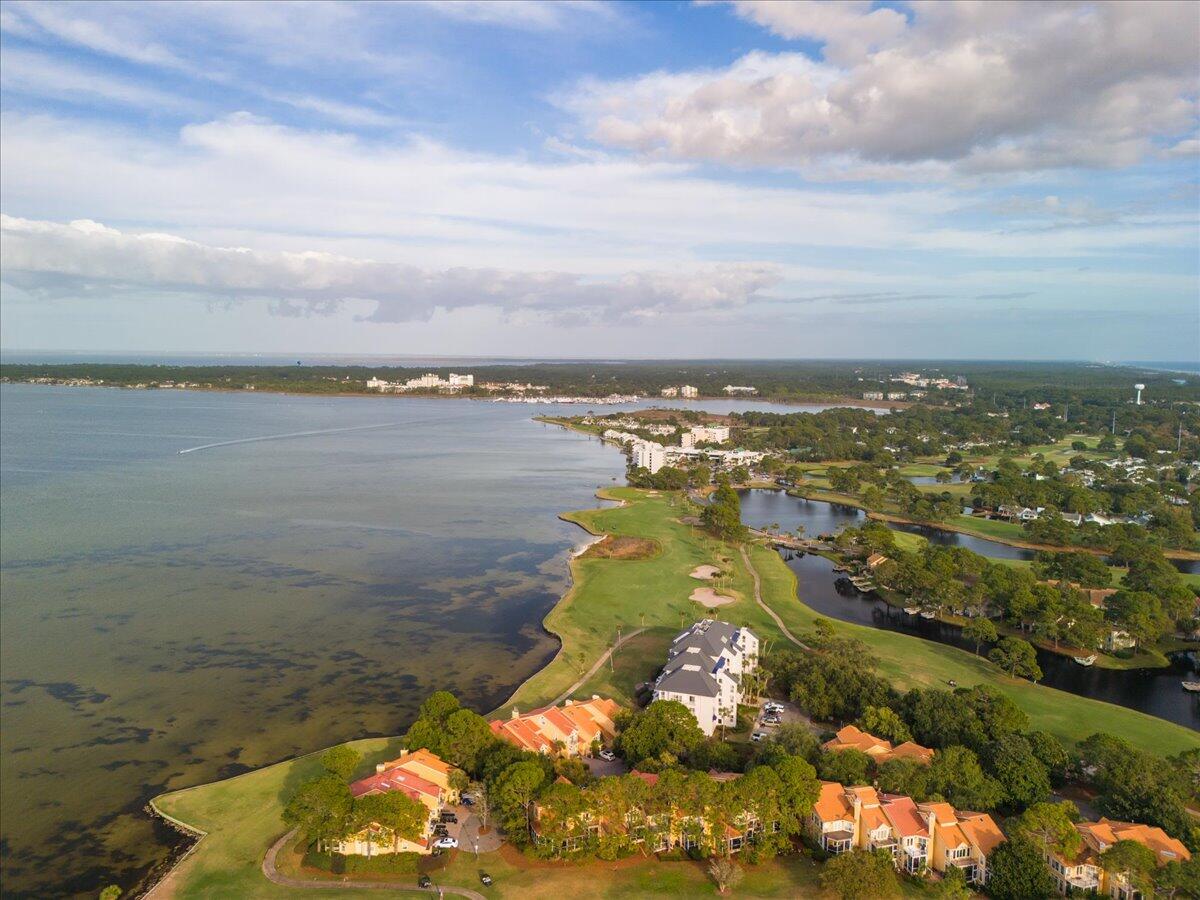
709,598
704,572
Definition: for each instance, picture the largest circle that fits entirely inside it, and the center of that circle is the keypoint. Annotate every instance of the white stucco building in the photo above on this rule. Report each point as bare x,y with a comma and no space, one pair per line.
648,455
705,669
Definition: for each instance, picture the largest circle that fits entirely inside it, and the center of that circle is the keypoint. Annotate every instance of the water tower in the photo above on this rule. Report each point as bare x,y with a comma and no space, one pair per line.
1139,388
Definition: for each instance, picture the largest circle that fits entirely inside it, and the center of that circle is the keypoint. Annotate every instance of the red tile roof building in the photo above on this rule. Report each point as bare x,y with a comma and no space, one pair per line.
420,775
567,730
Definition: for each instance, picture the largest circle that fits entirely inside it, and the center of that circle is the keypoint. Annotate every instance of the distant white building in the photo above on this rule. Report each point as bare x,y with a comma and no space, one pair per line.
426,381
648,455
740,389
688,391
705,669
670,392
709,434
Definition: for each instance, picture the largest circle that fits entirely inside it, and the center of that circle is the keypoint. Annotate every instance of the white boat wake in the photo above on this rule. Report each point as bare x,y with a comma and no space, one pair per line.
292,434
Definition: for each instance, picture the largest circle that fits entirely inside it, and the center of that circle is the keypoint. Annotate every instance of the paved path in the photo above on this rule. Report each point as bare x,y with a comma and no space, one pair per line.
272,874
596,668
770,612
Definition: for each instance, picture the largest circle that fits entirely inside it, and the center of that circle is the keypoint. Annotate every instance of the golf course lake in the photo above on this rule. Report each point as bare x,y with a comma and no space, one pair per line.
1154,691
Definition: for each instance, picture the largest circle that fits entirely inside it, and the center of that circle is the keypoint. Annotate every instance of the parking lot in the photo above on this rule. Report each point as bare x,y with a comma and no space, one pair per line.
790,714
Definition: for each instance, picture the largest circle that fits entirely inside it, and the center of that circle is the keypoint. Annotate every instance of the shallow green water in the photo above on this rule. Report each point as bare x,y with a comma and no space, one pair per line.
169,619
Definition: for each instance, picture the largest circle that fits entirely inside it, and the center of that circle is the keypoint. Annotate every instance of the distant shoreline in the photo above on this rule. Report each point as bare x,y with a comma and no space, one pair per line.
847,402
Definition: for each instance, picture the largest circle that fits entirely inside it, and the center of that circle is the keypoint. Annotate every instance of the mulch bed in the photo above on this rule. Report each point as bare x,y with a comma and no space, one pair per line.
617,547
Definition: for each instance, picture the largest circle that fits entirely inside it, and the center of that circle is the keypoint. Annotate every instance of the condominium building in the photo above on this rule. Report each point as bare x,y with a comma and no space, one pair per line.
1083,872
572,729
648,455
705,670
688,391
421,775
880,750
918,836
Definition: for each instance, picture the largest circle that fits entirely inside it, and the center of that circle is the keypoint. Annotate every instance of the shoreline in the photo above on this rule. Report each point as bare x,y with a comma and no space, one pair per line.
1037,700
579,400
568,597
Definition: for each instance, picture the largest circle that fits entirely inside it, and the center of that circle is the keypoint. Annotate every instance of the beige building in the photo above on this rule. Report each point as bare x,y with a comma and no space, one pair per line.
422,776
918,836
568,730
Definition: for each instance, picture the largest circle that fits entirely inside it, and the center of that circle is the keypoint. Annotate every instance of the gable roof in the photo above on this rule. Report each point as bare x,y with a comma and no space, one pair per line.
902,812
832,805
1099,836
853,738
538,729
689,680
396,779
982,831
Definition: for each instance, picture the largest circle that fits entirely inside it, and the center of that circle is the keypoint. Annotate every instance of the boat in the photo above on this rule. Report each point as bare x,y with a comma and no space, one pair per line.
1085,660
912,610
1191,686
928,615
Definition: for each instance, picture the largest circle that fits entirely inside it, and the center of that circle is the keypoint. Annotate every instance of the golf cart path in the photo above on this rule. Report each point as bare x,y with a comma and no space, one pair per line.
770,612
596,668
272,874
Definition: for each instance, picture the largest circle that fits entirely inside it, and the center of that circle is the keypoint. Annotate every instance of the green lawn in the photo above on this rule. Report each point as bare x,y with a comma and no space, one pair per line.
653,592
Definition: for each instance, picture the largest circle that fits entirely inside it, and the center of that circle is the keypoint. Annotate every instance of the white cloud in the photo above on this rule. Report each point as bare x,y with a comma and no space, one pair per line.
38,75
54,259
849,29
538,15
968,88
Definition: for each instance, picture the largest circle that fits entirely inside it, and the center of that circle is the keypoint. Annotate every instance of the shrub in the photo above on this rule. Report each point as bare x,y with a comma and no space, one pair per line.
402,863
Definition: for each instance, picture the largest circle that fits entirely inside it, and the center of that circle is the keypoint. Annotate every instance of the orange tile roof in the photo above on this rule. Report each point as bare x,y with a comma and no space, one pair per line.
854,738
1099,836
982,830
912,750
424,757
832,805
906,819
538,729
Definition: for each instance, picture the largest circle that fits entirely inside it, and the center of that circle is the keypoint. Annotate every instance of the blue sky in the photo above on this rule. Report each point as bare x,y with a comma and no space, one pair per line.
614,179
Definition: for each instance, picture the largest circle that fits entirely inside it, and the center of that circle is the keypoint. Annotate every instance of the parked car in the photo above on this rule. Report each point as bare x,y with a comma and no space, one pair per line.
446,843
486,879
758,736
448,816
607,755
425,882
467,800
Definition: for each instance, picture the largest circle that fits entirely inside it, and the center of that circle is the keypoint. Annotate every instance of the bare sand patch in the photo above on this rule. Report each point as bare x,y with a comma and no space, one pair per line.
710,599
704,572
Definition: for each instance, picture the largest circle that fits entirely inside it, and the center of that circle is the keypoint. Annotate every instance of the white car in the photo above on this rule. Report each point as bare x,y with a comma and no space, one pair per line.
607,755
758,736
446,843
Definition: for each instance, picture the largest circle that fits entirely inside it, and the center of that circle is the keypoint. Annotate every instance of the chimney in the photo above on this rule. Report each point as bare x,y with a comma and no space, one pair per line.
515,713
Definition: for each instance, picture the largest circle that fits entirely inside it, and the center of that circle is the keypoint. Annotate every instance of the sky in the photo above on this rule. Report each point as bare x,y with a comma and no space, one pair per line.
585,178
